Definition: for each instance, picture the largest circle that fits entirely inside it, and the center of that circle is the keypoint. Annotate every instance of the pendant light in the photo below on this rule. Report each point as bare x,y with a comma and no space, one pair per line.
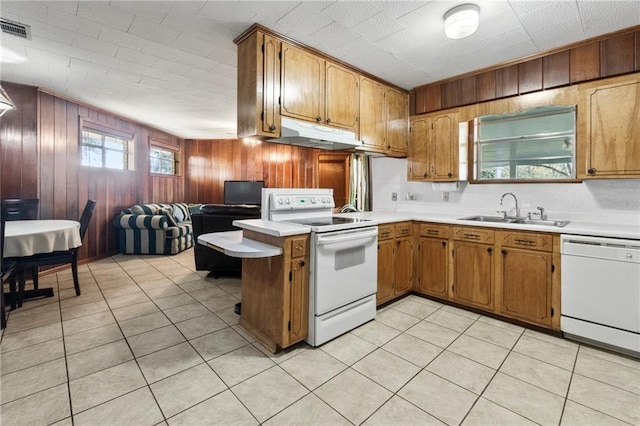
5,102
461,21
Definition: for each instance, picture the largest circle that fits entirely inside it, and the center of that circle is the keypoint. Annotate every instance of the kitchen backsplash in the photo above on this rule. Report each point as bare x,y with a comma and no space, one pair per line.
604,200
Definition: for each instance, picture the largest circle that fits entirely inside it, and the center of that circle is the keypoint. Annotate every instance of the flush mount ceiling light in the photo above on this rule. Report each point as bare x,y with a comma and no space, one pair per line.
5,102
461,21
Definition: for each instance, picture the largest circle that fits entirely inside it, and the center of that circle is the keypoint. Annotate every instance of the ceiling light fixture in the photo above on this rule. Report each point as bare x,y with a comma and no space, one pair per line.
461,21
5,102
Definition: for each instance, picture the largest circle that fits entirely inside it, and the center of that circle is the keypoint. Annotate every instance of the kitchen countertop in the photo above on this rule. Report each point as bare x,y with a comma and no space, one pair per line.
276,229
377,217
575,227
233,244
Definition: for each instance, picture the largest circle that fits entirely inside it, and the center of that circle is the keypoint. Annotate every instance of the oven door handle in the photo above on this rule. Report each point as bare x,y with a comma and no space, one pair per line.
350,236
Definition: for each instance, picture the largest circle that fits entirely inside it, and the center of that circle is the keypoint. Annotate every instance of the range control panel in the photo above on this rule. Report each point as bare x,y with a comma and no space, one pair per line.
301,202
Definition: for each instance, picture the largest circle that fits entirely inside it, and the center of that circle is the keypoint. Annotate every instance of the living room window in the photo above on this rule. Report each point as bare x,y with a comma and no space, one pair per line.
106,148
164,159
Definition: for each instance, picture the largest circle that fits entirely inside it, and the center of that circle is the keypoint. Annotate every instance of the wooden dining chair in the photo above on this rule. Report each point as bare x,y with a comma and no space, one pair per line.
57,257
22,209
7,270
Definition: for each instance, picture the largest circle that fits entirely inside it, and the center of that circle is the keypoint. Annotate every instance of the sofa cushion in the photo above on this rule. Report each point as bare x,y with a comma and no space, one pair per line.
168,213
180,230
180,212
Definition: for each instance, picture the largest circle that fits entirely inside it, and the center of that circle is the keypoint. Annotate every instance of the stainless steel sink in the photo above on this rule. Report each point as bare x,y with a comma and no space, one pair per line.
496,219
558,223
519,220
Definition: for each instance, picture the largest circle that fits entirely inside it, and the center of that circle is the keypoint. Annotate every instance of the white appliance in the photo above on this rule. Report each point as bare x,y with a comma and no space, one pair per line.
343,260
601,291
312,135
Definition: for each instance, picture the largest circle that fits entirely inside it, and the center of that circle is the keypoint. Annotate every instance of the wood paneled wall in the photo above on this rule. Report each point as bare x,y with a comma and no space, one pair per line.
41,159
601,57
211,162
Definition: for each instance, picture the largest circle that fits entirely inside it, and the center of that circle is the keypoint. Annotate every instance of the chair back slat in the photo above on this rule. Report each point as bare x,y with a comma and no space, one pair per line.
86,217
21,209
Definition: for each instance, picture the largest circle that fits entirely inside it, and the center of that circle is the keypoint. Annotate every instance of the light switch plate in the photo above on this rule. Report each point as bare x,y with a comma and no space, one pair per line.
394,196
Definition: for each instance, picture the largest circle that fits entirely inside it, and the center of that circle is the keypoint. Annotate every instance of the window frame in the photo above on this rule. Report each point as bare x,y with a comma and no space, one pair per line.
162,146
104,130
476,143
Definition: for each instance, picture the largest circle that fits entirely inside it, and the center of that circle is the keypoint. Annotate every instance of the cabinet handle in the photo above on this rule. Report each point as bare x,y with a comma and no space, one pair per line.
489,250
426,175
328,120
449,174
272,127
444,244
432,231
471,236
591,171
318,118
504,252
525,242
302,264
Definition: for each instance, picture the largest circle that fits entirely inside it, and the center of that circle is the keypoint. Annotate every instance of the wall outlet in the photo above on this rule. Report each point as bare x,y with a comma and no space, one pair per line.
394,196
445,197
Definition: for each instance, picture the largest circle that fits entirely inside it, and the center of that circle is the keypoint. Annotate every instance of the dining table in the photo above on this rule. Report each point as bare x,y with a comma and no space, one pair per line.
24,238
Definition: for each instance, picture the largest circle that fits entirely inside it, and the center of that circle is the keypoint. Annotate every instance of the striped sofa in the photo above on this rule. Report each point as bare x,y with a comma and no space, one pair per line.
155,228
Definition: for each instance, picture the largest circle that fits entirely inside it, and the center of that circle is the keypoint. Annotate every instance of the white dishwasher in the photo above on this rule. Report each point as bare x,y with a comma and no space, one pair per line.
601,291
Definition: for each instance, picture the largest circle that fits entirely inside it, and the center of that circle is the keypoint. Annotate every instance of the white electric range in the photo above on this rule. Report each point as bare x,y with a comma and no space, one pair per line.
343,259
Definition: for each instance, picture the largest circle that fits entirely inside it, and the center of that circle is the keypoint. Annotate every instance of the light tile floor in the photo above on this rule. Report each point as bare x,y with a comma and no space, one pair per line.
151,341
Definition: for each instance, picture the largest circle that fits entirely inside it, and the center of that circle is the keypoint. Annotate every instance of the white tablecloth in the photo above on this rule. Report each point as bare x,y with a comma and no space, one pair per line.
29,237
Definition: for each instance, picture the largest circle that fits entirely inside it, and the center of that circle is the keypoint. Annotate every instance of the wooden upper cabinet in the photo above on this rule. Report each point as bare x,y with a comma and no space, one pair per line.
507,81
259,86
417,153
486,86
613,130
617,55
433,151
396,120
342,100
317,90
372,114
302,81
637,67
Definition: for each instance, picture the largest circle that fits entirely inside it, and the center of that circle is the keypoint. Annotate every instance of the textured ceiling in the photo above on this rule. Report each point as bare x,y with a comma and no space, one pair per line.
172,64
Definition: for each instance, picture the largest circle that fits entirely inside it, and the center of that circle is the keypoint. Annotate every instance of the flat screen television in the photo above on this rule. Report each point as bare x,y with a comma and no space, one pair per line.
243,192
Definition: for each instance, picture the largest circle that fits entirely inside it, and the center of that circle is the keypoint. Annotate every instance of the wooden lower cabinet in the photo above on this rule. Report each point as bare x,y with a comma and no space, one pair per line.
473,274
275,292
432,260
515,274
525,277
395,261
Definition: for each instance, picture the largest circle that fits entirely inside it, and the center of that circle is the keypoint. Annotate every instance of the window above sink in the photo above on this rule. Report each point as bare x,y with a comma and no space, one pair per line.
535,145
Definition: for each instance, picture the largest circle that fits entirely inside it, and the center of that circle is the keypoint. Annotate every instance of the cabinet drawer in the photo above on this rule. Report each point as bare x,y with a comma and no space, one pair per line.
434,230
298,247
479,235
403,229
529,240
385,232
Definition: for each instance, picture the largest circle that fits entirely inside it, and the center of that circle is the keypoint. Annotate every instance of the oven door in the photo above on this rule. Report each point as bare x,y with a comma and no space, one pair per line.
345,267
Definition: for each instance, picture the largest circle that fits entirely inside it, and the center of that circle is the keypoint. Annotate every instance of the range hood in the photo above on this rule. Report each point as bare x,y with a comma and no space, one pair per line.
311,135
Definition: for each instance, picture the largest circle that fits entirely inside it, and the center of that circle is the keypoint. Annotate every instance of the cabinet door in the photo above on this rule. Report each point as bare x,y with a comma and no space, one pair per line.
342,100
397,120
443,146
403,260
434,267
473,274
417,154
298,313
271,86
614,131
372,118
386,271
302,84
526,278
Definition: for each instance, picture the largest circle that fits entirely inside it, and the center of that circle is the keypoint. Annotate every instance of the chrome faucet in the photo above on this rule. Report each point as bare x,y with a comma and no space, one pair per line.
515,198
